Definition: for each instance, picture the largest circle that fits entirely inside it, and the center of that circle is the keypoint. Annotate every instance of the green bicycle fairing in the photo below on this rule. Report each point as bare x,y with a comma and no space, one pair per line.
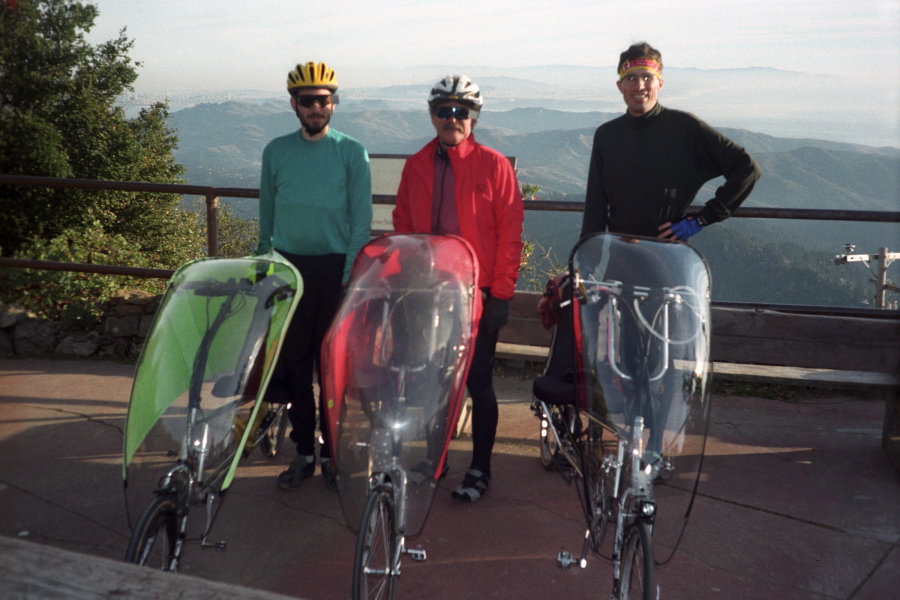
209,353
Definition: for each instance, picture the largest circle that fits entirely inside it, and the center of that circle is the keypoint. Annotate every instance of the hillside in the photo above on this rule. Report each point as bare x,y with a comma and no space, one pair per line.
221,144
228,139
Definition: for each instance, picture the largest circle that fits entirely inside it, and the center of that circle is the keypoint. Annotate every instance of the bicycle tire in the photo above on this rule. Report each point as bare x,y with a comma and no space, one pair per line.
638,578
593,491
273,439
374,565
154,540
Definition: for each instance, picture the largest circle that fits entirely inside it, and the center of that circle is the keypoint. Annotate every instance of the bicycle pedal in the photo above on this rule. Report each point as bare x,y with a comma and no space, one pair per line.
565,559
220,545
417,554
662,471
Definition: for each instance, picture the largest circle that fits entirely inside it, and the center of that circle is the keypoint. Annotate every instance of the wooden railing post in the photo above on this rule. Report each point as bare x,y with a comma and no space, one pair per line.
212,224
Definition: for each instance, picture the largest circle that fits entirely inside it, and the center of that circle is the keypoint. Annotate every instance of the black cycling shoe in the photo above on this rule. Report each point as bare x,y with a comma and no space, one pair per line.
302,467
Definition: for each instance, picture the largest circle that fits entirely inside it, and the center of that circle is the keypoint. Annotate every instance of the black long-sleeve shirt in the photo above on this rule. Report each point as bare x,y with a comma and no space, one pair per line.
646,171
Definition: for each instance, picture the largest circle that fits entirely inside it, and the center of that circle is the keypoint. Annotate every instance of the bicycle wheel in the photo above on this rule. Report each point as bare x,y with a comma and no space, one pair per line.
593,489
273,439
549,446
374,566
154,539
638,580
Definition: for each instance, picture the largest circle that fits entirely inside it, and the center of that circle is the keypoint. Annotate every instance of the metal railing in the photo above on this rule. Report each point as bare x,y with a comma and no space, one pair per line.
746,212
213,194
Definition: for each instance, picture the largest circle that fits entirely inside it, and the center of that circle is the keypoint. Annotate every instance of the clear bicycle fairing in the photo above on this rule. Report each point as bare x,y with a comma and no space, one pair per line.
644,322
205,362
395,362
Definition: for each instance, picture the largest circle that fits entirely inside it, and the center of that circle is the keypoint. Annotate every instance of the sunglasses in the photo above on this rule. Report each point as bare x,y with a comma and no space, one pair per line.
306,100
456,112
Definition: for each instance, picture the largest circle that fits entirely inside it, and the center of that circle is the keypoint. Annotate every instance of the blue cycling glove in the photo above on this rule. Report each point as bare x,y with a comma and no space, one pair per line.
686,227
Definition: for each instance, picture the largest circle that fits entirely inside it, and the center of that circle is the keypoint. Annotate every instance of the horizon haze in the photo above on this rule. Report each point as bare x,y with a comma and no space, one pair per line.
755,99
839,62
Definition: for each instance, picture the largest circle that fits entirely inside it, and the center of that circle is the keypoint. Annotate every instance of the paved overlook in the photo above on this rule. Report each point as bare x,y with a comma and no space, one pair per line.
797,501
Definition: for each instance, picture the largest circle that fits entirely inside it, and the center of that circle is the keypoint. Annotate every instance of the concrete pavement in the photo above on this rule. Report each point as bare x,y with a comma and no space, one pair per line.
797,501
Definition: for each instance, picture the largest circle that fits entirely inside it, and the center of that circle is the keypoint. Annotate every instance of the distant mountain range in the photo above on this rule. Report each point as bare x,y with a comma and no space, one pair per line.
767,100
221,144
554,143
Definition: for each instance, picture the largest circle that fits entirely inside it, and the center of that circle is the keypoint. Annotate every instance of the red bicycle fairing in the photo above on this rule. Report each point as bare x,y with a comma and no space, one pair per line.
395,362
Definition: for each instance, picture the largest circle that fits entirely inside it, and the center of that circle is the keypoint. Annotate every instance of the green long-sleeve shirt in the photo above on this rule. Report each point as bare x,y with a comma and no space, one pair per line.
646,171
315,198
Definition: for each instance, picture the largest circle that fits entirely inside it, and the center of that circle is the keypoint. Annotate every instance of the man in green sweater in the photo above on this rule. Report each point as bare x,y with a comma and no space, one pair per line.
315,208
648,165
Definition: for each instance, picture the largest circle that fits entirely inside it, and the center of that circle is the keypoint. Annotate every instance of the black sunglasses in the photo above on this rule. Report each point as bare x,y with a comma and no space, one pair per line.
457,112
306,100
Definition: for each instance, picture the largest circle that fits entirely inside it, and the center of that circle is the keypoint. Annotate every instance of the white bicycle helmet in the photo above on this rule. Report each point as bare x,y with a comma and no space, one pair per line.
459,88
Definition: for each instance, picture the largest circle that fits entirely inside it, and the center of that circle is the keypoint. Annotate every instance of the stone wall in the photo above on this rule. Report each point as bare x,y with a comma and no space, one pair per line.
119,335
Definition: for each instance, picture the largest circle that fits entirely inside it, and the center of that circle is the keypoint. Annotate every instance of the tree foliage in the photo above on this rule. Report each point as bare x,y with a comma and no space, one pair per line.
59,118
70,295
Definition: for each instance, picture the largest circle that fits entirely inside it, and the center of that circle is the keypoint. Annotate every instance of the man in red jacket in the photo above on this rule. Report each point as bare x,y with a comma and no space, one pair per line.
456,186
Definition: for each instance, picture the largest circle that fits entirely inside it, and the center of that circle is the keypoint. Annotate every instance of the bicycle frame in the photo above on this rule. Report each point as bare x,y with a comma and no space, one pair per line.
636,502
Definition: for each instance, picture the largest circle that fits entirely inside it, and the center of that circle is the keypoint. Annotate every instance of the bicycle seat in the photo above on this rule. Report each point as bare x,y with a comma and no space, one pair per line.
554,390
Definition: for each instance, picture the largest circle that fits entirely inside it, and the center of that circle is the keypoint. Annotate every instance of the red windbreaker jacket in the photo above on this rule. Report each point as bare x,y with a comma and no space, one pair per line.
488,203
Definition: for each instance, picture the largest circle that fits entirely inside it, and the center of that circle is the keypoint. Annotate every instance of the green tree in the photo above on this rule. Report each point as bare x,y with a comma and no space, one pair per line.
59,118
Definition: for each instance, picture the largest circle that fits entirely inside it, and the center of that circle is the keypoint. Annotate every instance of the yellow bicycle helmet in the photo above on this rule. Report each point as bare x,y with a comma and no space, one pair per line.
312,75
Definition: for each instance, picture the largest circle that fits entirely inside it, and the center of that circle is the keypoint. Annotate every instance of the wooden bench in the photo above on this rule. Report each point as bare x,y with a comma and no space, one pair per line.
785,345
809,346
853,350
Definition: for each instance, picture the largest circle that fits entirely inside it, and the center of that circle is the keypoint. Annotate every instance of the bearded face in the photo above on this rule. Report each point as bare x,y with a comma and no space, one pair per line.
314,109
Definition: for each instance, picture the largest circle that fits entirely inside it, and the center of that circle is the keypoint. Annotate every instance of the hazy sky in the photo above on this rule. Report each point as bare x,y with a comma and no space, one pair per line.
229,44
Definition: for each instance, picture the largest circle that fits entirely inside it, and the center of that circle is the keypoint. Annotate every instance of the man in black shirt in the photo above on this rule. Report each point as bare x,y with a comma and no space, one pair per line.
648,165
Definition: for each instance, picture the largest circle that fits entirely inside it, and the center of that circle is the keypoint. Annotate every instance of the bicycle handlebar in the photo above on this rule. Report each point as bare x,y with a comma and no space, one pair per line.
213,288
618,293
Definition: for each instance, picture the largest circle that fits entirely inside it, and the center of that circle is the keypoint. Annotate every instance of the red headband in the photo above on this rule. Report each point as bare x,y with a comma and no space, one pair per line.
640,63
